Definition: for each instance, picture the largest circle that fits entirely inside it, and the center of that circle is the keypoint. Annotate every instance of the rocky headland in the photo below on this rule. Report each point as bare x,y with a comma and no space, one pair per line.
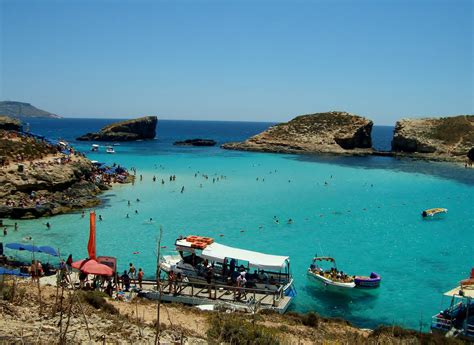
443,139
195,142
40,178
332,132
130,130
21,109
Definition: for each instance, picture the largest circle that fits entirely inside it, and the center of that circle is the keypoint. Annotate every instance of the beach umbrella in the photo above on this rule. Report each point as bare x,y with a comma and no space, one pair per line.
48,250
5,271
91,266
20,246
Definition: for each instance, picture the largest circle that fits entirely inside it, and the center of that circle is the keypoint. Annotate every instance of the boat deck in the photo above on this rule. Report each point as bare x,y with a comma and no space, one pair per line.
220,295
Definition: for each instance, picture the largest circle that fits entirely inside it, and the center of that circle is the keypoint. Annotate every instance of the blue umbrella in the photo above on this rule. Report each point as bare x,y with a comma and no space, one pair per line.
4,271
48,250
19,246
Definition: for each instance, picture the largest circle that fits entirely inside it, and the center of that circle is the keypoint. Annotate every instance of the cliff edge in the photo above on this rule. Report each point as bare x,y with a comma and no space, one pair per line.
129,130
447,138
332,132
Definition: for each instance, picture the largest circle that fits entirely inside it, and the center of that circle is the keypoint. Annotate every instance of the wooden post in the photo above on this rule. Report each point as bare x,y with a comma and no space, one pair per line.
158,285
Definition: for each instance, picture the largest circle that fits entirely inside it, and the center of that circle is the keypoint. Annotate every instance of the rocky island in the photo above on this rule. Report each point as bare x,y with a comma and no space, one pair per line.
130,130
195,142
444,139
43,178
332,132
21,109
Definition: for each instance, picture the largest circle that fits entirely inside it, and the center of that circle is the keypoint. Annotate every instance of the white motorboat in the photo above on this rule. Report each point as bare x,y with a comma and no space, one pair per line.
110,149
94,148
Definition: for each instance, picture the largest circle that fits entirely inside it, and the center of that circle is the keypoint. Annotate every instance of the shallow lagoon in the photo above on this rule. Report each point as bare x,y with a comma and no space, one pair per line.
367,216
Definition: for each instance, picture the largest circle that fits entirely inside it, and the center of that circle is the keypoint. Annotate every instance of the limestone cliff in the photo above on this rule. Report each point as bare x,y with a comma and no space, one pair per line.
130,130
9,124
447,138
331,132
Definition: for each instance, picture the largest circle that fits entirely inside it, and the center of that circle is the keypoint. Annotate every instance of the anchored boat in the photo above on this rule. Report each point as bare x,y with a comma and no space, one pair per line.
333,279
434,212
457,320
199,255
94,148
110,149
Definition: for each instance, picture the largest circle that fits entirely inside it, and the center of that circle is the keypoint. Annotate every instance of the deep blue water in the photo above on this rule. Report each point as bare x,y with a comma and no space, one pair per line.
367,215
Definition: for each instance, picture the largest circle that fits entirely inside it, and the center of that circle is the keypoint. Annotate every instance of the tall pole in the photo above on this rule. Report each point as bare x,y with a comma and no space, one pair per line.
158,286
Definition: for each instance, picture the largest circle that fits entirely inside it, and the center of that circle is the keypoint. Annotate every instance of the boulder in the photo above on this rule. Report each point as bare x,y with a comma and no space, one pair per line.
130,130
447,138
332,132
470,154
195,142
9,124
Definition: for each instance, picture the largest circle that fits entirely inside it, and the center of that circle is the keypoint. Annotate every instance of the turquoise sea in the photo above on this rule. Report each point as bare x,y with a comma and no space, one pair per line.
367,216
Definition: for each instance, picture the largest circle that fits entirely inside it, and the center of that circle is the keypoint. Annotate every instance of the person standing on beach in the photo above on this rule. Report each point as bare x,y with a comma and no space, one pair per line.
69,263
140,277
132,271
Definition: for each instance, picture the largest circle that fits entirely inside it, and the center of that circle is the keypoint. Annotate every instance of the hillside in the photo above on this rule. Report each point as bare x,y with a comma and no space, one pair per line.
20,109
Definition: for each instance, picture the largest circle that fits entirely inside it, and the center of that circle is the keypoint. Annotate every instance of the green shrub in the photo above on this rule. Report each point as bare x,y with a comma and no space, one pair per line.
234,329
97,300
310,319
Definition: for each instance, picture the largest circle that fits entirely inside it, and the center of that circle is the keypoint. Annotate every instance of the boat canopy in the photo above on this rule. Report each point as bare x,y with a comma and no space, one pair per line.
323,258
456,292
220,252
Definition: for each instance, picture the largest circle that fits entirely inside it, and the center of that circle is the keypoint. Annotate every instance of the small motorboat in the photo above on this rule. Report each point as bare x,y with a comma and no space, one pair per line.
94,148
433,212
110,149
329,278
370,282
334,279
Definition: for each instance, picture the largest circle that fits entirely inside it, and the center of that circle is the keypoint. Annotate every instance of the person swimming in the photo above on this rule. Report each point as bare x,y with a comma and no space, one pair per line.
100,217
48,226
127,216
290,221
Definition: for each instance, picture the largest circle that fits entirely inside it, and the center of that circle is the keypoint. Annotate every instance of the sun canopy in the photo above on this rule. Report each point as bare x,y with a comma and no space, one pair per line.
20,246
5,271
31,248
49,250
219,252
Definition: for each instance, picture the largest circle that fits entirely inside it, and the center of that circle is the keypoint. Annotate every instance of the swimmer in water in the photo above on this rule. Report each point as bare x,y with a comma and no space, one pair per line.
127,216
138,200
182,190
100,217
136,211
82,215
48,225
129,203
290,221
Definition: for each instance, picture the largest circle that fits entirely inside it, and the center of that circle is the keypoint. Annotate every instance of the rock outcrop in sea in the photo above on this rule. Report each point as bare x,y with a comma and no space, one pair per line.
21,109
129,130
195,142
332,132
446,138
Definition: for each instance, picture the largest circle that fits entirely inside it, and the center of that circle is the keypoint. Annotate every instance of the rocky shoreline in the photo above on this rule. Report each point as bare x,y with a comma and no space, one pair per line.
41,178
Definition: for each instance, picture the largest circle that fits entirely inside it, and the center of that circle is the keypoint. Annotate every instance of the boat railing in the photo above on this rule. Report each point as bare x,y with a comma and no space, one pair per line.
441,323
217,291
469,330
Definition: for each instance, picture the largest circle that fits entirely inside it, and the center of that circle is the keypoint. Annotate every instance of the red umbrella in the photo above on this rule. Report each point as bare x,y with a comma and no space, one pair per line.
91,266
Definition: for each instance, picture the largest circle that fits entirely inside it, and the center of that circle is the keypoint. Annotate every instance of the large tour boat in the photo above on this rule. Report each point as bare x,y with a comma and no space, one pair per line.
197,256
457,320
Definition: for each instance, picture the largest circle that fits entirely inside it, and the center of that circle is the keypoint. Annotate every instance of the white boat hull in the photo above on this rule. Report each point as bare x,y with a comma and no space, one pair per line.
330,284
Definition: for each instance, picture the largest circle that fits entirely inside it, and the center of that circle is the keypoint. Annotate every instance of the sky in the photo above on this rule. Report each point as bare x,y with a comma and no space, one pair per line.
239,60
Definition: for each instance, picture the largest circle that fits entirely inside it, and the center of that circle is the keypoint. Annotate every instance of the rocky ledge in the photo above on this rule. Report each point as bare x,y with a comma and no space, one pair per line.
195,142
447,138
130,130
9,124
332,132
